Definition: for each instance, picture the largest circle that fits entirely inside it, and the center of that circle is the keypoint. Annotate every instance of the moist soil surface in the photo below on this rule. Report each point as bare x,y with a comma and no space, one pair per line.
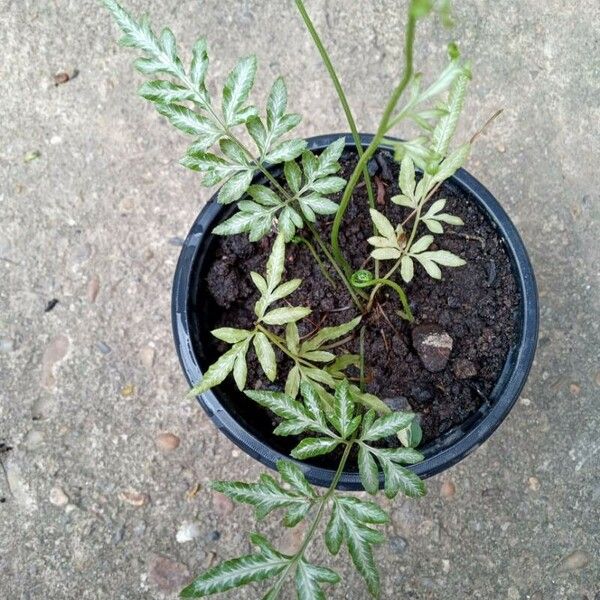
476,304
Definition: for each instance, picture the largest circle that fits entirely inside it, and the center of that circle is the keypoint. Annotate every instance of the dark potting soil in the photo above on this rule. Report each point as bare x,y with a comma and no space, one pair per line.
476,304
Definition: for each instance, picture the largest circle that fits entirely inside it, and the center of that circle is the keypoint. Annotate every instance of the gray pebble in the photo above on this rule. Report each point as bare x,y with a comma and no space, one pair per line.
398,403
433,345
82,253
167,575
187,532
574,561
398,544
7,345
103,347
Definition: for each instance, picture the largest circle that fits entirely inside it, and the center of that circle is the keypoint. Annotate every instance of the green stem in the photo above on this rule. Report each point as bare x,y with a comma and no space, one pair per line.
275,339
379,135
340,92
301,240
313,528
362,357
401,294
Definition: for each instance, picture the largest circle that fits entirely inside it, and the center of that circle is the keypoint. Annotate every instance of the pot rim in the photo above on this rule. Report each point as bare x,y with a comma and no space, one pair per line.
459,442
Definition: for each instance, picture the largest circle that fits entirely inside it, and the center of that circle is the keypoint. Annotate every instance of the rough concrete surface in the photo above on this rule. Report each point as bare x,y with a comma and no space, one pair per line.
97,503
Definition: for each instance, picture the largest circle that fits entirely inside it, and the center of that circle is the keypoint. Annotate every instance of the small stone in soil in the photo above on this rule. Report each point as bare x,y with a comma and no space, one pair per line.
492,492
433,345
533,483
103,348
93,287
54,353
398,403
60,78
134,498
574,561
167,575
382,159
398,544
463,368
222,505
372,167
167,441
58,497
147,354
187,532
7,345
127,390
490,272
422,394
50,304
148,254
448,489
31,155
34,439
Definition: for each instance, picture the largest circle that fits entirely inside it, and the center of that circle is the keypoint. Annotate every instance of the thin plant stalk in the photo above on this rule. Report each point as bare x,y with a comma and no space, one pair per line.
324,499
340,92
379,135
301,240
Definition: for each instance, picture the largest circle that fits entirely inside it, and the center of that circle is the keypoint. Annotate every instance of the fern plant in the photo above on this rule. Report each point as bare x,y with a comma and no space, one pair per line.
323,395
350,521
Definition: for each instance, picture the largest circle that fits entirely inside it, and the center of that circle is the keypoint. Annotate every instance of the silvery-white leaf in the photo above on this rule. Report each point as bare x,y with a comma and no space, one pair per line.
445,258
444,130
281,316
265,354
319,204
238,86
293,175
386,253
327,161
199,64
328,185
450,219
407,268
264,195
402,200
421,244
164,92
432,269
286,151
378,241
257,132
234,152
433,225
230,334
385,228
286,224
259,282
235,187
407,176
277,102
240,222
450,165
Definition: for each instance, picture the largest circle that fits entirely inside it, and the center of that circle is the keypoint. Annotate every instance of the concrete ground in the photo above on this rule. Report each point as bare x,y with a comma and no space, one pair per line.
93,206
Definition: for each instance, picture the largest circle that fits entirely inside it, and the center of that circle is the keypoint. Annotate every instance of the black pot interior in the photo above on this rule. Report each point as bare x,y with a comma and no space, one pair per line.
258,421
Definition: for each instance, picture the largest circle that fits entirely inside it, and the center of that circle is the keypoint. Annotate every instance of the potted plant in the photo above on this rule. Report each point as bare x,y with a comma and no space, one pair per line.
342,300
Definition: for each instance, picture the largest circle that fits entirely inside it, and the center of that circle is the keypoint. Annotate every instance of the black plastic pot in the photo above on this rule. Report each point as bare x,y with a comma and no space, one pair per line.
234,416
